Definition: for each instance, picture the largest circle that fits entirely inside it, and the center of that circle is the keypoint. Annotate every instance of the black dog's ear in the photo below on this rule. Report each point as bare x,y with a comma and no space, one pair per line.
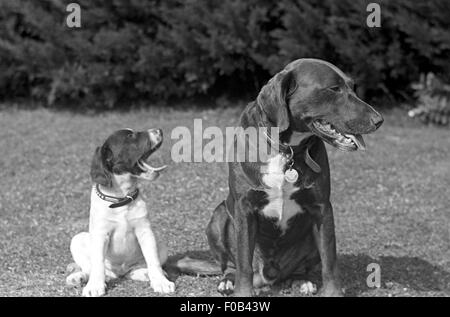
100,173
272,99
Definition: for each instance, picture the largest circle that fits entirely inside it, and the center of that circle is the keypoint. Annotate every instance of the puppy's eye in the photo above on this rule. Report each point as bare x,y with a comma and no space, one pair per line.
335,89
130,135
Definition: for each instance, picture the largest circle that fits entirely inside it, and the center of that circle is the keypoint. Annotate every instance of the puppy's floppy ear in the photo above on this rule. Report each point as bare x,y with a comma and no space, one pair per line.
272,99
100,172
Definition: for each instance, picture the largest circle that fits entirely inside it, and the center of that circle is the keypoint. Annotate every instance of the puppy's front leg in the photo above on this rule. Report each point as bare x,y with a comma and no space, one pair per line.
245,229
96,284
149,248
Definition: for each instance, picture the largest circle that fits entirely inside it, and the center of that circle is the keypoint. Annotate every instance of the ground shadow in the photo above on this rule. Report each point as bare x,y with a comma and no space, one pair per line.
411,272
170,266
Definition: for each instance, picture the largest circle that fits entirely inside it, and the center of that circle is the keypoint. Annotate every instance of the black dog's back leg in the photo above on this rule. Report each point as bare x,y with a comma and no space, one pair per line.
220,243
215,233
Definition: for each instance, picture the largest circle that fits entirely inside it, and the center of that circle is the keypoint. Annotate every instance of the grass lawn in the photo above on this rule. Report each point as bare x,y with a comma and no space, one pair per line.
391,203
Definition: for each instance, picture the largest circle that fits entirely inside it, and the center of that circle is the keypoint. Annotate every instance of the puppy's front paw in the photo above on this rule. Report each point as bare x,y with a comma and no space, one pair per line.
162,285
76,279
94,289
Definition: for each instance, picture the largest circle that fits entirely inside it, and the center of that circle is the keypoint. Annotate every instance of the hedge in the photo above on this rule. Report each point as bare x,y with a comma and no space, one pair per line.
134,50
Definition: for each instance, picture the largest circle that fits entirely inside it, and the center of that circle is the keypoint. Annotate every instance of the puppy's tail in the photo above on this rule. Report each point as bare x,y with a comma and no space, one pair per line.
191,266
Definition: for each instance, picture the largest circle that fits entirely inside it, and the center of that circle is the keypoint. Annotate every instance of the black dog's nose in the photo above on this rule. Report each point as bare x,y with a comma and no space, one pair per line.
377,120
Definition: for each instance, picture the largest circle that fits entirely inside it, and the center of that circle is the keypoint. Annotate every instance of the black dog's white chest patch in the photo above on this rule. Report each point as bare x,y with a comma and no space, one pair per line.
280,205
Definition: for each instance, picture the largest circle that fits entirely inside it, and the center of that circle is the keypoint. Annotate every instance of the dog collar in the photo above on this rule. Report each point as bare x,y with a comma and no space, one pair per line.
117,201
288,151
285,149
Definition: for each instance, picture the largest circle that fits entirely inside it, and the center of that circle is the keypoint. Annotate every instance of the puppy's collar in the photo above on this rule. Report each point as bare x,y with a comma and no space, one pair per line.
117,201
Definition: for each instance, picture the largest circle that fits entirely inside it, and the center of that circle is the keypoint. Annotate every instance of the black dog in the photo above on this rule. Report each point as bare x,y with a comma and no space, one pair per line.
277,221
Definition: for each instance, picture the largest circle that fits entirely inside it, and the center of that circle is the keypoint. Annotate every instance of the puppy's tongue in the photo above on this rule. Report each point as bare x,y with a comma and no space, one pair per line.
150,173
150,169
359,141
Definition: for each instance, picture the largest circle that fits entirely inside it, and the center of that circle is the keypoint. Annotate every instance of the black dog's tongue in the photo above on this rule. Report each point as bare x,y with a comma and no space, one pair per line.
358,139
360,142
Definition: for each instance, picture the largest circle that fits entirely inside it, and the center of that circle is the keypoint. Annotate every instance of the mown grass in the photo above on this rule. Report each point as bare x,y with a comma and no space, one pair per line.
391,203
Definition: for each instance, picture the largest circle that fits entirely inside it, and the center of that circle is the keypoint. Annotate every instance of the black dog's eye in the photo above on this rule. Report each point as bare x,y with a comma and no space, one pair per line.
335,88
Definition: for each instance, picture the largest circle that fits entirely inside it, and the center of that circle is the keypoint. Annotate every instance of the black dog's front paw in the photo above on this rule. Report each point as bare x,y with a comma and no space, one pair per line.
226,285
245,293
331,290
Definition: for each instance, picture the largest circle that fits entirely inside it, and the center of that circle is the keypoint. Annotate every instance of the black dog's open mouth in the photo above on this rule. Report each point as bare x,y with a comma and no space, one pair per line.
346,142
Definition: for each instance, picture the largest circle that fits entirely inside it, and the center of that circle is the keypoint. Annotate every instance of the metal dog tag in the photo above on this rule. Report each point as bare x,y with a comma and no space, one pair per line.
291,175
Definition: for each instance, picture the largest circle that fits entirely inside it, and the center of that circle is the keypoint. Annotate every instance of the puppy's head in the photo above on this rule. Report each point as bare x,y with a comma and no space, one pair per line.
314,96
125,152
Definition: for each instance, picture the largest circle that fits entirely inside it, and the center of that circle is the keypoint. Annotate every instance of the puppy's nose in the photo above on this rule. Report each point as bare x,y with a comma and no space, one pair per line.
155,135
377,120
157,132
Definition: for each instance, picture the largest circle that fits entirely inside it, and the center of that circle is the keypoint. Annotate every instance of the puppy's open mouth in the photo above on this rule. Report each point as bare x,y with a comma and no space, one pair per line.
345,142
147,171
147,168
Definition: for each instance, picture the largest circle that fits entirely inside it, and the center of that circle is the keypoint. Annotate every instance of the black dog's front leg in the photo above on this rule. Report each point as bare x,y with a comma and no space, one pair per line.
326,242
245,229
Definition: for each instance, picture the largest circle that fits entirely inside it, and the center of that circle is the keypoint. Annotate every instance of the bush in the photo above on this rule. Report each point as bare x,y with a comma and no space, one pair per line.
131,50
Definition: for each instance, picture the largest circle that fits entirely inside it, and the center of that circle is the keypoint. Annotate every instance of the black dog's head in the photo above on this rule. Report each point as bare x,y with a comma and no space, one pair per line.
125,151
312,95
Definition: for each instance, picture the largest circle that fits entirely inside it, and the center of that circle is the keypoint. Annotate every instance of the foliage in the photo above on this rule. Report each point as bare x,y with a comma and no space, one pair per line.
433,100
131,50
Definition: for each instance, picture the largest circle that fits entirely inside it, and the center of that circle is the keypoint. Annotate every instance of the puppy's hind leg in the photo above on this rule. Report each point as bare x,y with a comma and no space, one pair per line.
139,274
78,272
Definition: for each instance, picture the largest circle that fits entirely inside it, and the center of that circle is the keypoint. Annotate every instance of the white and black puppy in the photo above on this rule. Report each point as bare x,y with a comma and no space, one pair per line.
120,241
